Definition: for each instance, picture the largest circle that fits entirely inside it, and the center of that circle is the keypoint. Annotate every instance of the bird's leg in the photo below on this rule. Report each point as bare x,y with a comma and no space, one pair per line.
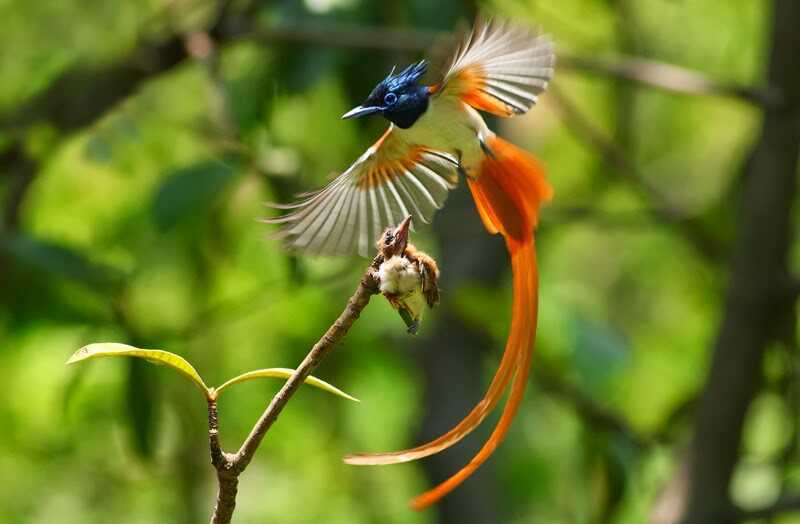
411,323
396,302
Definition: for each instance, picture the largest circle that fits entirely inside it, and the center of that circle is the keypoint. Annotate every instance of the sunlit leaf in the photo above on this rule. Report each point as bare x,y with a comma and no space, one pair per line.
286,373
156,356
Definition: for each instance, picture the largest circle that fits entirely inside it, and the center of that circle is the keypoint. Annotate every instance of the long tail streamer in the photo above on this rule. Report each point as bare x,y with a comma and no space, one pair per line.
507,194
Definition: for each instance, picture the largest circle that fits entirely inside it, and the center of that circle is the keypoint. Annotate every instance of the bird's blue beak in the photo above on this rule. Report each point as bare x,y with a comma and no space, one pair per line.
360,111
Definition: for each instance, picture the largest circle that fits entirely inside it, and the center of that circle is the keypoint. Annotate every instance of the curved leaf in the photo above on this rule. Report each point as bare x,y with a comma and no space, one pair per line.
155,356
285,373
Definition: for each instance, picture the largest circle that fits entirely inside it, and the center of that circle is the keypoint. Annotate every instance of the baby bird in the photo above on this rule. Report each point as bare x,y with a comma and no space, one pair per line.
408,277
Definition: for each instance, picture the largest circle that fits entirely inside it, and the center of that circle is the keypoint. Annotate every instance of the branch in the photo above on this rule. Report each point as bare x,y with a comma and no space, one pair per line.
366,288
227,480
230,466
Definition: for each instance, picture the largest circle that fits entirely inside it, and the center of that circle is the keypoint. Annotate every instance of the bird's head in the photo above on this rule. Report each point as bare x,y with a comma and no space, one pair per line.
400,98
394,240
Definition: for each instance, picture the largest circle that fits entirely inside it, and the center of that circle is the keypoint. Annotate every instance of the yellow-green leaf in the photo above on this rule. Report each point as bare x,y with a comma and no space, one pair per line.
156,356
285,373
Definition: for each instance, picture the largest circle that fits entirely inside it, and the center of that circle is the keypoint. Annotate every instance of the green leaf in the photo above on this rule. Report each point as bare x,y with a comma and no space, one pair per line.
155,356
285,373
191,190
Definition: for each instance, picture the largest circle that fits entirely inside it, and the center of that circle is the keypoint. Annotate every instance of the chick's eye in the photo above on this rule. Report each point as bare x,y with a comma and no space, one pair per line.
390,99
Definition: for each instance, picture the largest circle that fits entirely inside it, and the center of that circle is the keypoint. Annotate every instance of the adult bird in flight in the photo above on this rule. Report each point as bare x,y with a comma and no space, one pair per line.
436,132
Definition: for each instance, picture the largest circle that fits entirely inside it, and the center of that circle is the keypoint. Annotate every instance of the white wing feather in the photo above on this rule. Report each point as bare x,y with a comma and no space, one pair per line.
392,180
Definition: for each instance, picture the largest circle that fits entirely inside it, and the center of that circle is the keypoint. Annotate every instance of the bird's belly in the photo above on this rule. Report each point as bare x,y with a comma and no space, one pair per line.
452,127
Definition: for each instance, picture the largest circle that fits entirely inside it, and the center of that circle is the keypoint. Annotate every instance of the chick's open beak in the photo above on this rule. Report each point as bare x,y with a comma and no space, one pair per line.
401,234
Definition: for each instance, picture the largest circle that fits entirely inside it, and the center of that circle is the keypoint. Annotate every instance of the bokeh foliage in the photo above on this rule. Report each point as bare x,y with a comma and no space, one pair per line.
140,226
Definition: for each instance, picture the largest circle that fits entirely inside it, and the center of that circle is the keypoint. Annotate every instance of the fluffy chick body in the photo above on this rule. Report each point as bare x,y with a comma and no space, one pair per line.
399,276
401,283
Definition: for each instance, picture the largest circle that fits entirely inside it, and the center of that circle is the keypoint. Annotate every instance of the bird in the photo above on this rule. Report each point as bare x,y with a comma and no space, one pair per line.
436,133
408,277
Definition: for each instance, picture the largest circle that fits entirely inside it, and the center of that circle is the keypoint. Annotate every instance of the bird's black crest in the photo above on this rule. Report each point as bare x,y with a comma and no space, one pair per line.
409,75
410,98
406,80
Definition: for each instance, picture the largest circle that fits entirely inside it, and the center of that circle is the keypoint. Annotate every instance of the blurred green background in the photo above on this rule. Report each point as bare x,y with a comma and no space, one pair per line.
140,140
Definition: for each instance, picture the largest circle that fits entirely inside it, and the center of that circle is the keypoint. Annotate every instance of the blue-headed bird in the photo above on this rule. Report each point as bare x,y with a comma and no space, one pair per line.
437,132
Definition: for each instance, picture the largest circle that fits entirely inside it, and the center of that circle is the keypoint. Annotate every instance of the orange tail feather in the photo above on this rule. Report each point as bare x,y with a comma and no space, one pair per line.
507,193
523,261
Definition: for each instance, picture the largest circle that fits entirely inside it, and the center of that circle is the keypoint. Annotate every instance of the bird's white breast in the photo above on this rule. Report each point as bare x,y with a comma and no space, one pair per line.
452,126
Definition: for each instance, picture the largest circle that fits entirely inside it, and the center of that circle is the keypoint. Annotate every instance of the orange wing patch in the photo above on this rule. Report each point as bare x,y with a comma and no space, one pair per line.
433,89
500,69
473,83
386,169
391,180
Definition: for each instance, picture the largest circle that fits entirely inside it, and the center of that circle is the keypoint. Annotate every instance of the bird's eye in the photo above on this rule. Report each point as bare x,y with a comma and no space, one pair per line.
390,99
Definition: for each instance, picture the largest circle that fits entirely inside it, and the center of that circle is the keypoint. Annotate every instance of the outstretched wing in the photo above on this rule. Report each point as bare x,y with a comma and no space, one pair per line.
500,68
391,180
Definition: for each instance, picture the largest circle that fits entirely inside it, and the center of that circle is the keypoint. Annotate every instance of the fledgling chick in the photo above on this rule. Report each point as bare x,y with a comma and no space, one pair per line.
429,273
407,276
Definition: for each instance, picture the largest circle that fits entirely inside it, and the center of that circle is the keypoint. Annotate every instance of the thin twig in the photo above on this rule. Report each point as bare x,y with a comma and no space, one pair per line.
230,466
366,288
